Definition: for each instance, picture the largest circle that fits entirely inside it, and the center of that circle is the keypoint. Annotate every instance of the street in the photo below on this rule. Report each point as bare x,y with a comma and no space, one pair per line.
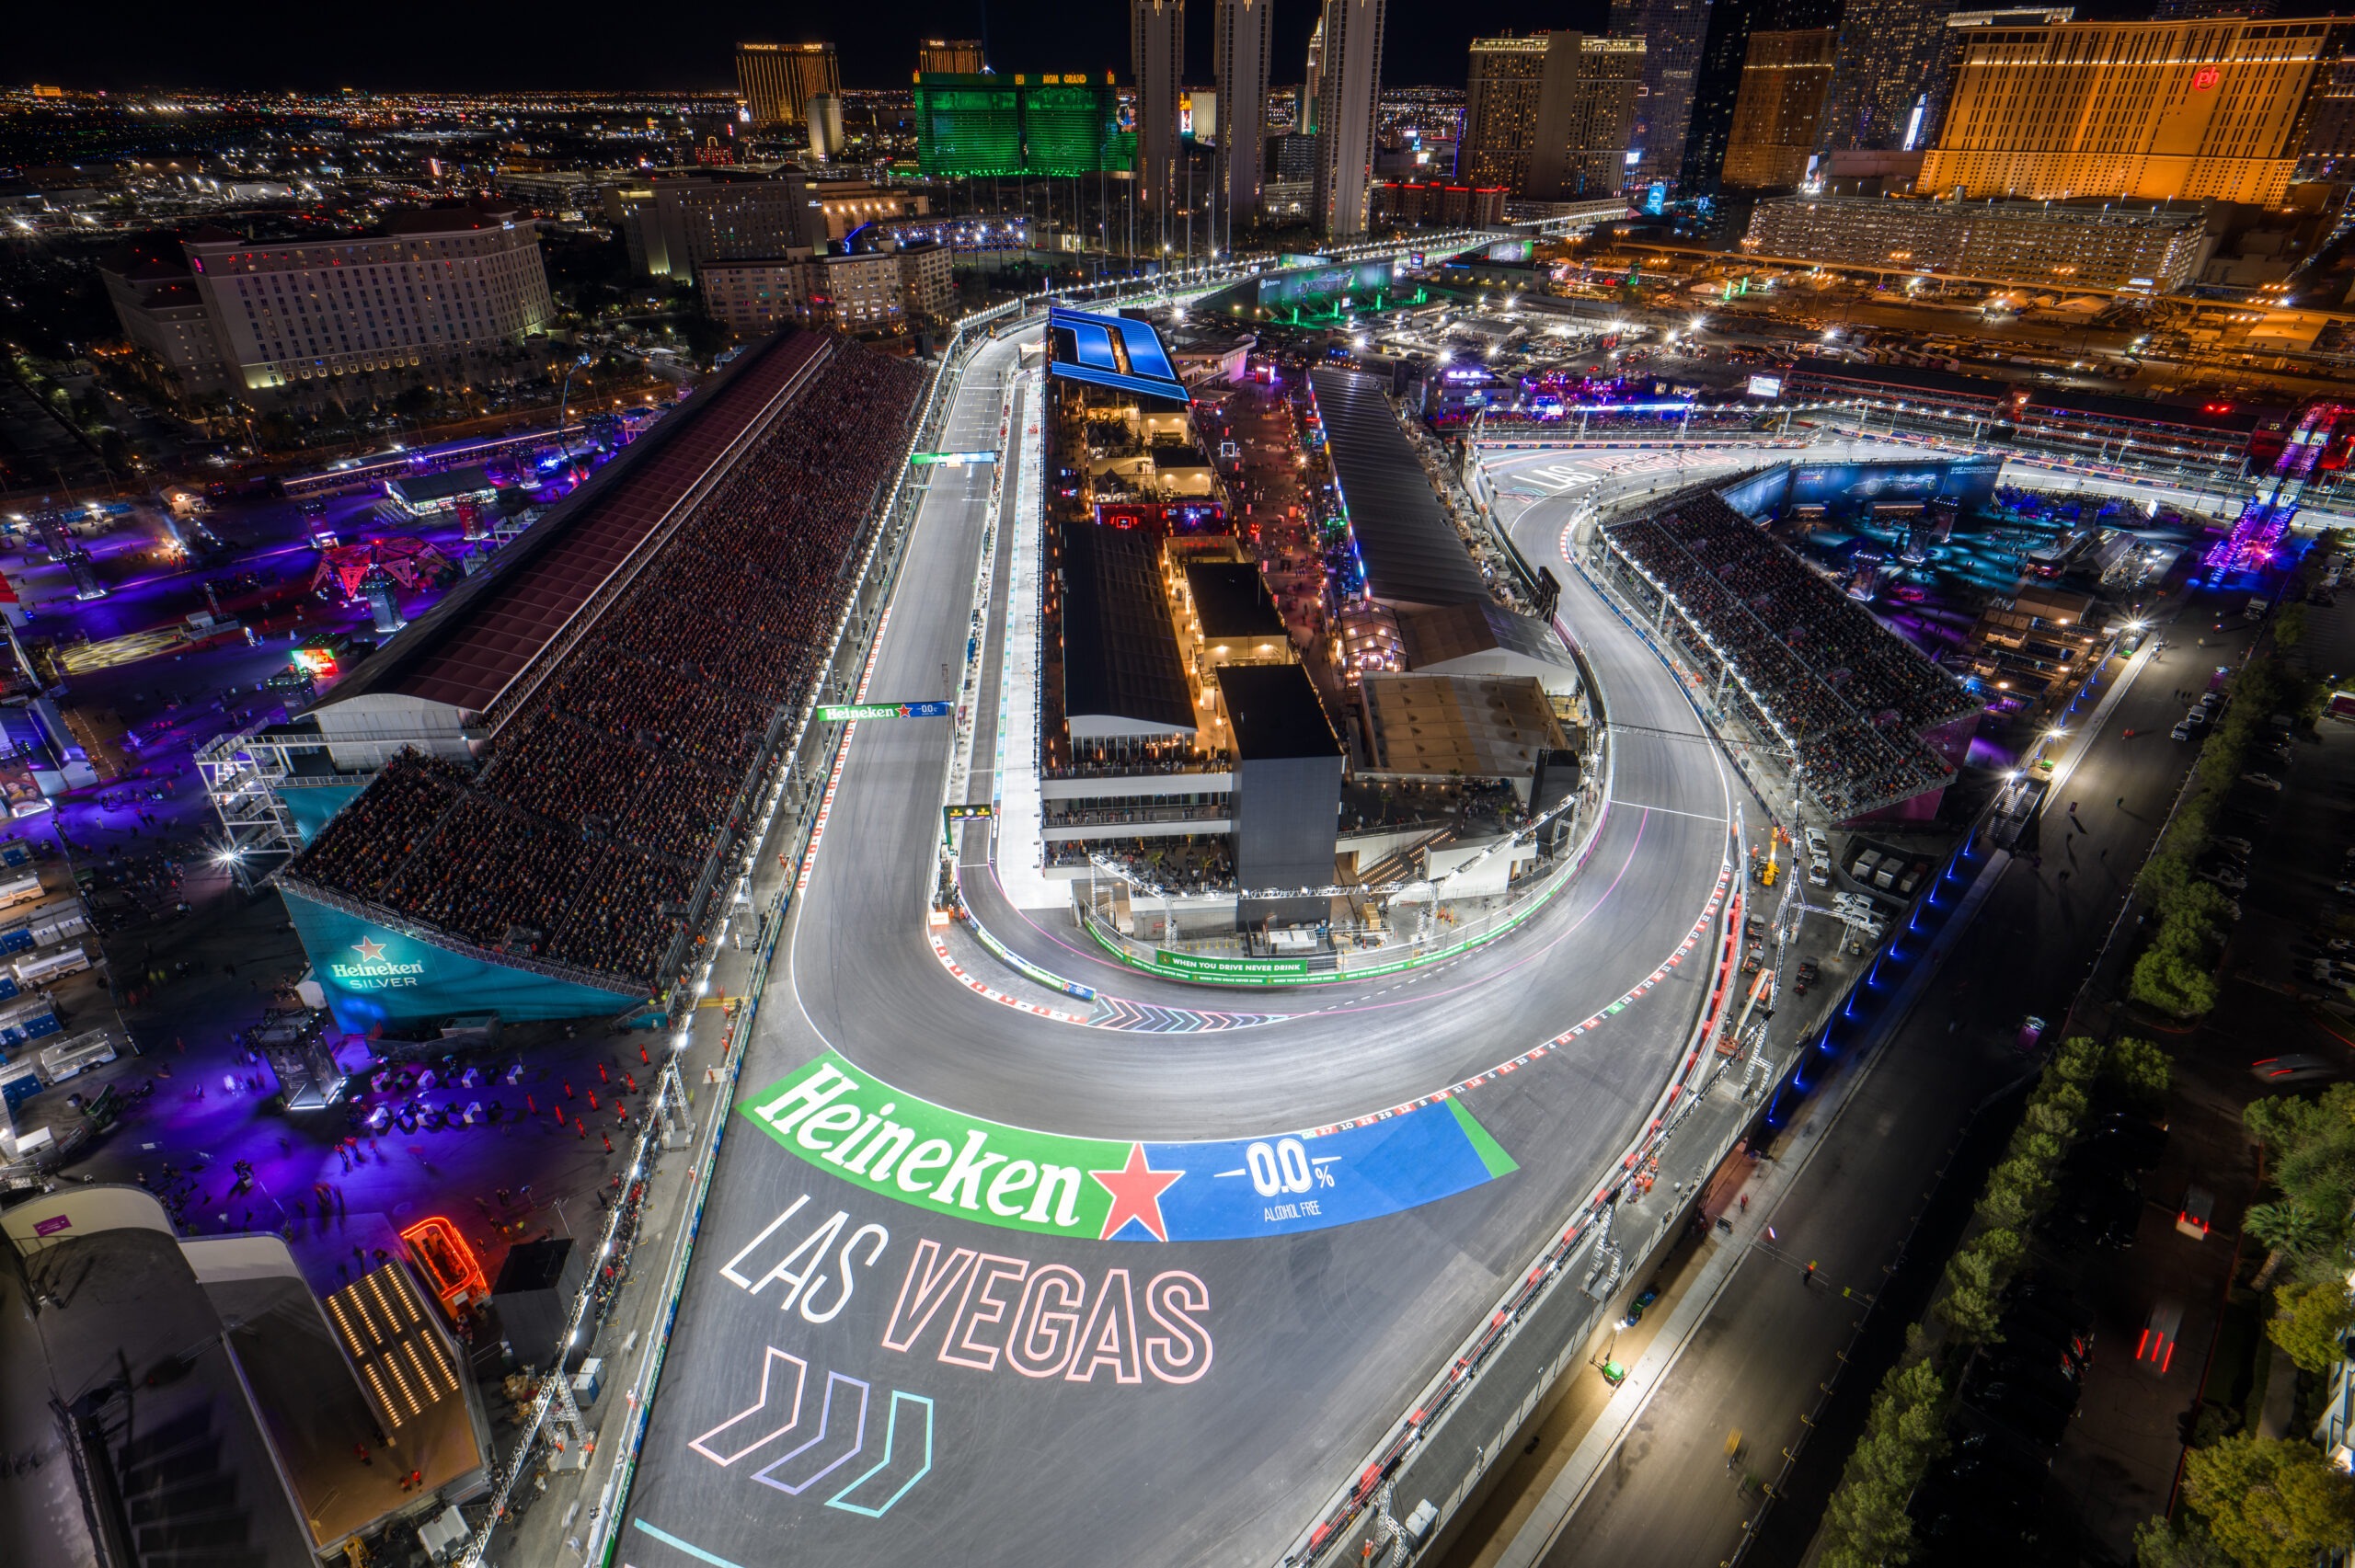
1757,1362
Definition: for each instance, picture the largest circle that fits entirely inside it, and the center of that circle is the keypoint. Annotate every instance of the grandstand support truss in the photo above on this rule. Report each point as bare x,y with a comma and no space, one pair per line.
243,773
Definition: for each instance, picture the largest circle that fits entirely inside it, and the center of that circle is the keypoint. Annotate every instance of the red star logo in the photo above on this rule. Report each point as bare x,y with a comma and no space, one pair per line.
1136,1195
369,949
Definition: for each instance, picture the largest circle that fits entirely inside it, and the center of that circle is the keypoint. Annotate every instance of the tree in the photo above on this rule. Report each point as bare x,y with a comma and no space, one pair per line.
2312,1323
2077,1061
2140,1067
1865,1524
2007,1204
2270,1502
2290,1228
2165,979
2182,1543
2057,1117
1972,1306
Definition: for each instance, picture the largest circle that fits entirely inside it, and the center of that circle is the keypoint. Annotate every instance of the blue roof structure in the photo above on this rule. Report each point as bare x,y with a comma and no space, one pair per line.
1111,351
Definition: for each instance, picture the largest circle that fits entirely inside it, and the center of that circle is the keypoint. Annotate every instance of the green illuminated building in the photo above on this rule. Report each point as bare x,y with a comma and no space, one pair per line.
1023,123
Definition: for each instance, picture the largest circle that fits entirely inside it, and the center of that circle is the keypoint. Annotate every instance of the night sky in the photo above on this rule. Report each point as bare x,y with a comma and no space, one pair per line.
484,45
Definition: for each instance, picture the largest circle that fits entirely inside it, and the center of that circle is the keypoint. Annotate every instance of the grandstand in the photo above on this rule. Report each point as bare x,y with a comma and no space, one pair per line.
631,673
1872,723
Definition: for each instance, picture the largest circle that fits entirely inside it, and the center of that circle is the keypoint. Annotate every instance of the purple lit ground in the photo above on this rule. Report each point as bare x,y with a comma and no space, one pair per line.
194,980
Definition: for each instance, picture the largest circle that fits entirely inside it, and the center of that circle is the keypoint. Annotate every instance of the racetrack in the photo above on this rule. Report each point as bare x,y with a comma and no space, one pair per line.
874,1371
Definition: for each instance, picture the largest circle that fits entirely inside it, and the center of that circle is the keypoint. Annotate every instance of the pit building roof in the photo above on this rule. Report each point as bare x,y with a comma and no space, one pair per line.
1412,556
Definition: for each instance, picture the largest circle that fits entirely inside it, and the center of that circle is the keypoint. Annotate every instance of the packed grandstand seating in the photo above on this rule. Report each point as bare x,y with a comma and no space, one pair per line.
1854,696
609,792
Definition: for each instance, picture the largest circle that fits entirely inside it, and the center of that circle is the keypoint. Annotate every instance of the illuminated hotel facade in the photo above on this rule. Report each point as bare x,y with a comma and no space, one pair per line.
442,295
2215,110
777,80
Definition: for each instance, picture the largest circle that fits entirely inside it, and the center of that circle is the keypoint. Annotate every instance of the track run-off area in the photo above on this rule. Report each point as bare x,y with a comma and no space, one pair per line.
983,1280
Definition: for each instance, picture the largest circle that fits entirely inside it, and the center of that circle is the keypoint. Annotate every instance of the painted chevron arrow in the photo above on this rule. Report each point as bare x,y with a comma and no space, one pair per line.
840,1435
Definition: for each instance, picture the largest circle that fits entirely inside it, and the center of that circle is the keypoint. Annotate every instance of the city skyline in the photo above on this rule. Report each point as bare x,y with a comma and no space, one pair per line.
156,47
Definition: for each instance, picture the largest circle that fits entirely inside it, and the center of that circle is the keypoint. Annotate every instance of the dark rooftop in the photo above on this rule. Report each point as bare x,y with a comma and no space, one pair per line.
416,488
1120,644
244,1408
1232,602
1410,551
533,1266
2229,419
1274,713
1915,376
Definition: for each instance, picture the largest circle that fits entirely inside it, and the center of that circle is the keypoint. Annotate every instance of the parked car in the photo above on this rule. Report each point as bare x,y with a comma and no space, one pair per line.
2226,876
2029,1360
1996,1517
2262,780
2238,846
2126,1141
2021,1411
2099,1206
2037,1331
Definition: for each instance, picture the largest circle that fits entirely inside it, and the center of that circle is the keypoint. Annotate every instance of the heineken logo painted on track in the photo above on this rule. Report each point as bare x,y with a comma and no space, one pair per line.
858,1129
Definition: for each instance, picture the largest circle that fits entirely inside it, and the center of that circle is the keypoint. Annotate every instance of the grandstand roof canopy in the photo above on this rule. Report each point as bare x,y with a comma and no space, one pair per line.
466,651
1485,639
1410,550
1121,675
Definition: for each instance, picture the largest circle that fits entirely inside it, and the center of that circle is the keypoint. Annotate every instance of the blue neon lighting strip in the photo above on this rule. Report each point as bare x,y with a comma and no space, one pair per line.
1168,391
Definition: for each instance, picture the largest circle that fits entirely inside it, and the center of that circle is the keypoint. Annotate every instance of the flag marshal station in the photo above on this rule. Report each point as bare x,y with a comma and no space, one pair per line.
857,1127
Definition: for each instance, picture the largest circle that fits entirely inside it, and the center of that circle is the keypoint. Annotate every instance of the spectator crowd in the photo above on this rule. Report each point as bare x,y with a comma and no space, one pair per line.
1853,698
609,793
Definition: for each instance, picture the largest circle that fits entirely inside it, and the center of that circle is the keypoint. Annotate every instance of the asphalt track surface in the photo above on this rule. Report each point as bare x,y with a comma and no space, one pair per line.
787,1426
